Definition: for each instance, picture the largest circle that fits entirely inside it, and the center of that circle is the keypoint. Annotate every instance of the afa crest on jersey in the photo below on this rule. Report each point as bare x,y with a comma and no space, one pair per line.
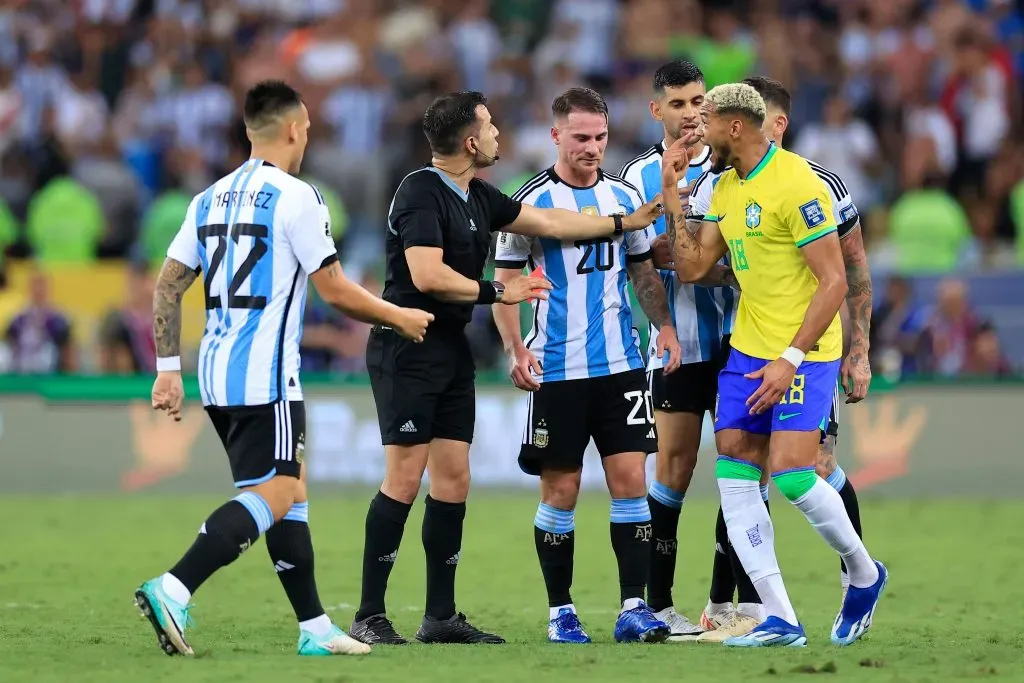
753,214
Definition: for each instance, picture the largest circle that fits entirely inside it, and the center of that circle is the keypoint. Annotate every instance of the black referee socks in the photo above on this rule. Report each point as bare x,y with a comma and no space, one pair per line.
442,541
385,524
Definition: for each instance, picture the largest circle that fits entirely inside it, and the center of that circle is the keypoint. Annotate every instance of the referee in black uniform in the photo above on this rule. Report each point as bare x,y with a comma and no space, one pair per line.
438,238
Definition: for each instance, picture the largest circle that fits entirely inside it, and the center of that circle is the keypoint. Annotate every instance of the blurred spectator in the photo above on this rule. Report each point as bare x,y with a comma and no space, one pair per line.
65,223
39,338
928,229
896,330
127,345
331,342
950,332
986,358
844,145
8,229
161,223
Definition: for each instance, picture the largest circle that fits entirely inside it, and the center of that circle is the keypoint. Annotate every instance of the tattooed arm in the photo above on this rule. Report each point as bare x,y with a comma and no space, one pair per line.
856,370
650,293
694,253
175,278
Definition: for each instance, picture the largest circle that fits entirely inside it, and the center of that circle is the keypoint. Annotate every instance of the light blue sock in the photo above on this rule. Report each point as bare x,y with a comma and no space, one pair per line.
837,479
299,512
258,508
554,520
668,497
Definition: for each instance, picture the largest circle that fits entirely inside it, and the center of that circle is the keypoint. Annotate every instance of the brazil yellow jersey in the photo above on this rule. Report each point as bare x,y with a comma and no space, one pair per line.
765,218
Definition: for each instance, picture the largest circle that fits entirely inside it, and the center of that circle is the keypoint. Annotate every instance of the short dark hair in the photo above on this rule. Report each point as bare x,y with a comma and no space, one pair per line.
771,91
579,99
266,101
676,74
446,119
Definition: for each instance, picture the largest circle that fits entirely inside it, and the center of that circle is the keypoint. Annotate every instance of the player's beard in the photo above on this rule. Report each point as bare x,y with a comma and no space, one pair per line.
721,158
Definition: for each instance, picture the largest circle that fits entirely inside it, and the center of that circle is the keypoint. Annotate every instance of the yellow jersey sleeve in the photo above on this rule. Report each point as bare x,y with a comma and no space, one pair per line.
807,209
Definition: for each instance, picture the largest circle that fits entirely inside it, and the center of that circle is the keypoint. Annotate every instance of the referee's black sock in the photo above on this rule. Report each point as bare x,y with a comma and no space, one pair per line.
442,541
554,534
225,535
723,583
631,541
665,504
291,550
385,524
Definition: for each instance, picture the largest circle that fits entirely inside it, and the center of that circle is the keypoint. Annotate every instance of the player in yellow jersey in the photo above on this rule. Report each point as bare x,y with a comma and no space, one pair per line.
773,216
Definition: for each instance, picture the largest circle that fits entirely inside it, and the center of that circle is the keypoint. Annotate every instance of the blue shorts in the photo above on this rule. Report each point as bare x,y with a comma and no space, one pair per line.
804,408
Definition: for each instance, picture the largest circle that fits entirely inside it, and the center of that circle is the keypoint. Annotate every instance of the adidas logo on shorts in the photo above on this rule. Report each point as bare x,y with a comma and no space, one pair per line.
408,427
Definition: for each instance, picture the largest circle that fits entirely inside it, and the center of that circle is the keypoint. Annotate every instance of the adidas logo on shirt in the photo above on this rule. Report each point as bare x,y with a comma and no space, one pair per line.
408,428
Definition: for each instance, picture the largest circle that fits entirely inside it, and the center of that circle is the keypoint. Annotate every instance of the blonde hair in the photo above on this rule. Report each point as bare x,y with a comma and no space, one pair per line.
738,98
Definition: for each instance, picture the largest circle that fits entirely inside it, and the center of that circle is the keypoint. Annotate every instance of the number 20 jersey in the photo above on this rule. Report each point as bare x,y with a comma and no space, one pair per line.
585,328
255,235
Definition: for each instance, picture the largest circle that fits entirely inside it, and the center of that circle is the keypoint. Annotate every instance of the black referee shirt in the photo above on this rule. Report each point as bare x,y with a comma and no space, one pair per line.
430,210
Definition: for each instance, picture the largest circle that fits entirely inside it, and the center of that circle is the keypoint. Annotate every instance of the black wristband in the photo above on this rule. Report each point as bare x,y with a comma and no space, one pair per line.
488,294
618,224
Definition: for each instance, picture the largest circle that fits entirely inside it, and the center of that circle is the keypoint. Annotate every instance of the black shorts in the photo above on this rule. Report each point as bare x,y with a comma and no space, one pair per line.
262,441
614,410
692,388
423,391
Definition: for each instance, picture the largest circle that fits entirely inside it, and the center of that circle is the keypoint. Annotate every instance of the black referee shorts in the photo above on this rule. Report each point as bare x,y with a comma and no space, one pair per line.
423,391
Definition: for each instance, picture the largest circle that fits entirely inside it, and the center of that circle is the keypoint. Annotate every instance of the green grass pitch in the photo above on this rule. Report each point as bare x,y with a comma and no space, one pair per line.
69,567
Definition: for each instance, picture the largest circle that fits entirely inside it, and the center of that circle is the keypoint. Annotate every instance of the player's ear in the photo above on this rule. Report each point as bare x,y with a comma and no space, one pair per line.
655,110
555,134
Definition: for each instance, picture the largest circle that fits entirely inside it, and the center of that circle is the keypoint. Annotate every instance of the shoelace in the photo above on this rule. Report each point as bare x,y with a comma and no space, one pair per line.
569,622
383,627
190,621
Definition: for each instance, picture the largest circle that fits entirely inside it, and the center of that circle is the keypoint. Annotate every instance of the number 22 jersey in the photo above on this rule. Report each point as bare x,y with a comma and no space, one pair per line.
255,236
585,328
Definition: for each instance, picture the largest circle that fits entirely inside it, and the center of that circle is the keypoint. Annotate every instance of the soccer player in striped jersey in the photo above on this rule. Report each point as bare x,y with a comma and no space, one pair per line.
256,235
584,369
773,215
703,318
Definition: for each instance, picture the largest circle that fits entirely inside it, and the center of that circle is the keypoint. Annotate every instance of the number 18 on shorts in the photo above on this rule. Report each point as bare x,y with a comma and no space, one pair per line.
615,410
804,408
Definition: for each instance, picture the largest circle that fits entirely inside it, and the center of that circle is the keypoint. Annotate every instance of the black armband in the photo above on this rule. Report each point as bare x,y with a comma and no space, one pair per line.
488,293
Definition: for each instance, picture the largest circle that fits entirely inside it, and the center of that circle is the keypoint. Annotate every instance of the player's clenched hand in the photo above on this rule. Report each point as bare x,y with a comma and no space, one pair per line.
776,378
412,323
644,216
523,287
668,341
522,367
168,394
856,376
661,253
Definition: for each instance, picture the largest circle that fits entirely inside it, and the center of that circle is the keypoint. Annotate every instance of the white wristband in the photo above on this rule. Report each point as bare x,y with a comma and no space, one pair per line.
172,364
794,356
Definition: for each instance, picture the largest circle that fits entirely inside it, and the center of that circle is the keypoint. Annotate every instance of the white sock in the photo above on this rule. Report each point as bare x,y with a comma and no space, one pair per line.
553,611
754,610
175,589
844,580
631,603
753,537
824,509
716,608
319,626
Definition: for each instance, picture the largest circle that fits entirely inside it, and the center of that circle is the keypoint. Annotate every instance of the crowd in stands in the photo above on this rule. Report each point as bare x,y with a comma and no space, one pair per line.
114,112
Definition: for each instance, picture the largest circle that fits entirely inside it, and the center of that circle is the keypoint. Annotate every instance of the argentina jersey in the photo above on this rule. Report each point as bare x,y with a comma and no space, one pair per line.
701,315
256,235
585,328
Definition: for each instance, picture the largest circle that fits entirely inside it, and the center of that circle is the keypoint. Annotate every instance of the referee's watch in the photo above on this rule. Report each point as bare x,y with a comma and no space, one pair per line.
499,290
